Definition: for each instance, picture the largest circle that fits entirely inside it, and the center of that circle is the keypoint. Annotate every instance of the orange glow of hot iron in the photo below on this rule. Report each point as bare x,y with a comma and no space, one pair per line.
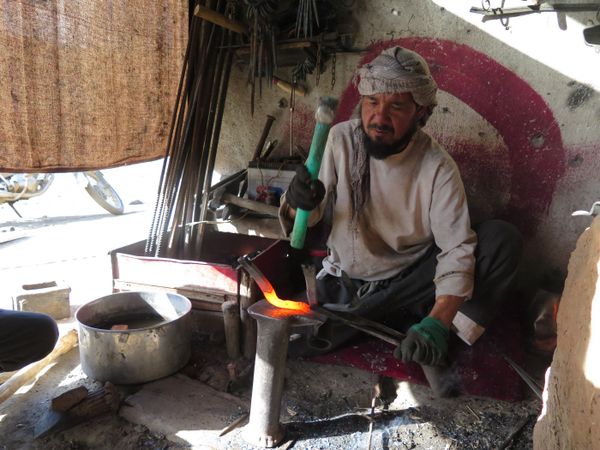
272,298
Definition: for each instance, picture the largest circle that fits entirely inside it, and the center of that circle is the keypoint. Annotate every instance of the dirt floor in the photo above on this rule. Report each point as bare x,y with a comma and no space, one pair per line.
324,407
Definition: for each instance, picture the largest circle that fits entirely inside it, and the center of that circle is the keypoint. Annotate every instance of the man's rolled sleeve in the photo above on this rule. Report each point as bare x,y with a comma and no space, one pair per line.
451,227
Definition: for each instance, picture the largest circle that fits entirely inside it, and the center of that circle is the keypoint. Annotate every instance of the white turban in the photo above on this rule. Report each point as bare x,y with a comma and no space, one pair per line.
398,70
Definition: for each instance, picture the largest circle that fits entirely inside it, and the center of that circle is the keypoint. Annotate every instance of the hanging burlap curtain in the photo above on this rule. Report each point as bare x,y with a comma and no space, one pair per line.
87,84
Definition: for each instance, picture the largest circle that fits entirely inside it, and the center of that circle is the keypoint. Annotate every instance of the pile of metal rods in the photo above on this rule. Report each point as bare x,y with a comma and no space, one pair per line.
193,139
307,14
263,58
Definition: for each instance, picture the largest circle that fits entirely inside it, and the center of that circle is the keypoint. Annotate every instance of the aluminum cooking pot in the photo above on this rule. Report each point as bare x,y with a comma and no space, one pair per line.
155,344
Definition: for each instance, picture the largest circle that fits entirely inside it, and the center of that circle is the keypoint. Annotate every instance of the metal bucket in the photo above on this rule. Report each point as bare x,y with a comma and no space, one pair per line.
156,344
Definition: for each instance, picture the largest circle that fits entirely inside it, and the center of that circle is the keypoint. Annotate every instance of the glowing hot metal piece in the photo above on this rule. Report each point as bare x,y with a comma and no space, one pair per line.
267,289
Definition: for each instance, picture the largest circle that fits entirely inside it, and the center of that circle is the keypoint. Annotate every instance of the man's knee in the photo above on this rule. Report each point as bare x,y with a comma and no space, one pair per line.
25,338
40,334
46,332
498,236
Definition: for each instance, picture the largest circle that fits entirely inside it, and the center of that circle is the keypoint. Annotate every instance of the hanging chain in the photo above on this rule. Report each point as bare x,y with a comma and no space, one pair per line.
318,64
292,107
333,61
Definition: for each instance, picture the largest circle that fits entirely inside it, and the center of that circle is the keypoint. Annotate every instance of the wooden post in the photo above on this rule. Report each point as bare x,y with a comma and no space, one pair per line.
66,343
231,320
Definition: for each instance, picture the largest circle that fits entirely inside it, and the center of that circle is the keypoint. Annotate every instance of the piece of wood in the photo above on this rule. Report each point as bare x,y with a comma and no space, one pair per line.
219,19
6,375
245,49
68,399
288,87
103,400
98,402
66,343
231,322
252,205
192,292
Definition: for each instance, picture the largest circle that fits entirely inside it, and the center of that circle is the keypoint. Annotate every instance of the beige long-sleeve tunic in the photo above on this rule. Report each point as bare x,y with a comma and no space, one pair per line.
416,198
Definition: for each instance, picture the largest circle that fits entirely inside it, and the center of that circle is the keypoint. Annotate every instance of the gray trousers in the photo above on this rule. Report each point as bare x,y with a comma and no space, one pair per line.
406,298
25,338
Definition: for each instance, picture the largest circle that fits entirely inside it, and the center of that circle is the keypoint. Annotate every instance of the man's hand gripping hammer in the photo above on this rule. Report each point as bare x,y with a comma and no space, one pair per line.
324,116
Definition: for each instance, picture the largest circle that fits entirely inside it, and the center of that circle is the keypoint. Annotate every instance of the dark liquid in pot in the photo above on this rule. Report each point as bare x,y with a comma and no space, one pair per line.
132,322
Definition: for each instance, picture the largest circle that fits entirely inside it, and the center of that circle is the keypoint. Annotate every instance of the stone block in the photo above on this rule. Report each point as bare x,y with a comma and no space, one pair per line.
570,417
50,298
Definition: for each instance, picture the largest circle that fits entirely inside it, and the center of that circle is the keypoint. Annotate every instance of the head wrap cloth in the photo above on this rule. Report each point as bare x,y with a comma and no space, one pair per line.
398,70
395,70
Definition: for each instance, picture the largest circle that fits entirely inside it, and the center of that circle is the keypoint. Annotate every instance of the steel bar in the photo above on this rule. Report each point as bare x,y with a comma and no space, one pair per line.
233,425
237,176
193,138
366,326
263,137
213,148
160,197
204,134
311,284
533,385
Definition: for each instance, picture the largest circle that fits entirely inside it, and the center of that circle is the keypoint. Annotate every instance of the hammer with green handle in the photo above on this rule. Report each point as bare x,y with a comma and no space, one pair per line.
324,116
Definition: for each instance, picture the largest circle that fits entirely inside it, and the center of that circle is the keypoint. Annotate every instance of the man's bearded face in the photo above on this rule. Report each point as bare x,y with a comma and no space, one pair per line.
389,122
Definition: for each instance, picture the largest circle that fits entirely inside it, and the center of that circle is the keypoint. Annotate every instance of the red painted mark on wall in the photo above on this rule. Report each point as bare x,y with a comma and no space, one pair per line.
519,114
304,124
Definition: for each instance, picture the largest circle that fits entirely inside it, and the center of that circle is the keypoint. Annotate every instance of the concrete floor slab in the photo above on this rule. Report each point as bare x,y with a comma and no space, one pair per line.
186,411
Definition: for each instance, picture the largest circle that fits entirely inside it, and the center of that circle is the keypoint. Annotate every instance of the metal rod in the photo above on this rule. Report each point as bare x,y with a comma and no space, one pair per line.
160,198
214,145
233,425
263,137
369,329
204,176
533,385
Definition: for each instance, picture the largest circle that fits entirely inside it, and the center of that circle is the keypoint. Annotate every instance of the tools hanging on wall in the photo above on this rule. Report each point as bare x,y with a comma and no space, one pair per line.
302,34
260,35
490,13
591,35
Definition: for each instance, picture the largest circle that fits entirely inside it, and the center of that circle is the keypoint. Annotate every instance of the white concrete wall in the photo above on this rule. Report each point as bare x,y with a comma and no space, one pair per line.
518,109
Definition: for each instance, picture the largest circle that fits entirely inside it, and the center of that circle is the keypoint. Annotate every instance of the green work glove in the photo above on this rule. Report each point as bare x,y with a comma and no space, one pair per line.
425,343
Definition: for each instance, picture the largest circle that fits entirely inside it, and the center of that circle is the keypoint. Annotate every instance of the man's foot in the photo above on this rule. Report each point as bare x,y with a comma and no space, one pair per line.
444,380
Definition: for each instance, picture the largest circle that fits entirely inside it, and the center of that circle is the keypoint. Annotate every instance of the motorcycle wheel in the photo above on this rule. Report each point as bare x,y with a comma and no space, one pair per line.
103,193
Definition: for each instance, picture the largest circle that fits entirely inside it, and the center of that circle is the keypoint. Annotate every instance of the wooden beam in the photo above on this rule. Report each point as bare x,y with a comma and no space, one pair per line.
219,19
